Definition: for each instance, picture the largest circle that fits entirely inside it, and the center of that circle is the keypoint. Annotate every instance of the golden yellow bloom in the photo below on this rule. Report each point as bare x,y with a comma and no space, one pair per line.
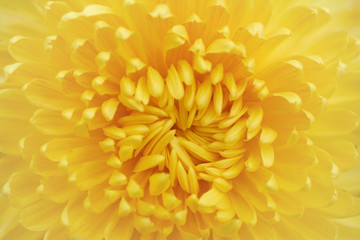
197,119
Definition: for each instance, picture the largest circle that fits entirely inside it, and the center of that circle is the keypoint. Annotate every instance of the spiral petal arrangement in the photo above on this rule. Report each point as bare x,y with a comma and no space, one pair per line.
187,119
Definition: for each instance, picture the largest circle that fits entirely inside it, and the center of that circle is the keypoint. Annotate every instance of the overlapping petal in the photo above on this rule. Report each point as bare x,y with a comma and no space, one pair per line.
180,120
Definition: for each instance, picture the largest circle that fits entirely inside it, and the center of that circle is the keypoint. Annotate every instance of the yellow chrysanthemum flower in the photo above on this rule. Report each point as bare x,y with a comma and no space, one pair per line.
197,119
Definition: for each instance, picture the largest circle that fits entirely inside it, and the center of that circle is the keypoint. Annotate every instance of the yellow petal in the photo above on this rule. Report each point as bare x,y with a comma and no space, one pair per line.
57,233
144,208
21,187
46,94
158,183
142,92
334,122
155,82
268,135
267,154
51,122
211,198
182,177
41,215
170,201
217,74
117,178
124,208
174,83
225,46
244,210
134,190
144,224
109,108
13,104
228,228
149,161
186,73
122,228
25,49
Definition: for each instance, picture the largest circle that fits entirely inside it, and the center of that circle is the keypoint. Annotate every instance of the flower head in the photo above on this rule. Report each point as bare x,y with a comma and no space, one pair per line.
180,120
